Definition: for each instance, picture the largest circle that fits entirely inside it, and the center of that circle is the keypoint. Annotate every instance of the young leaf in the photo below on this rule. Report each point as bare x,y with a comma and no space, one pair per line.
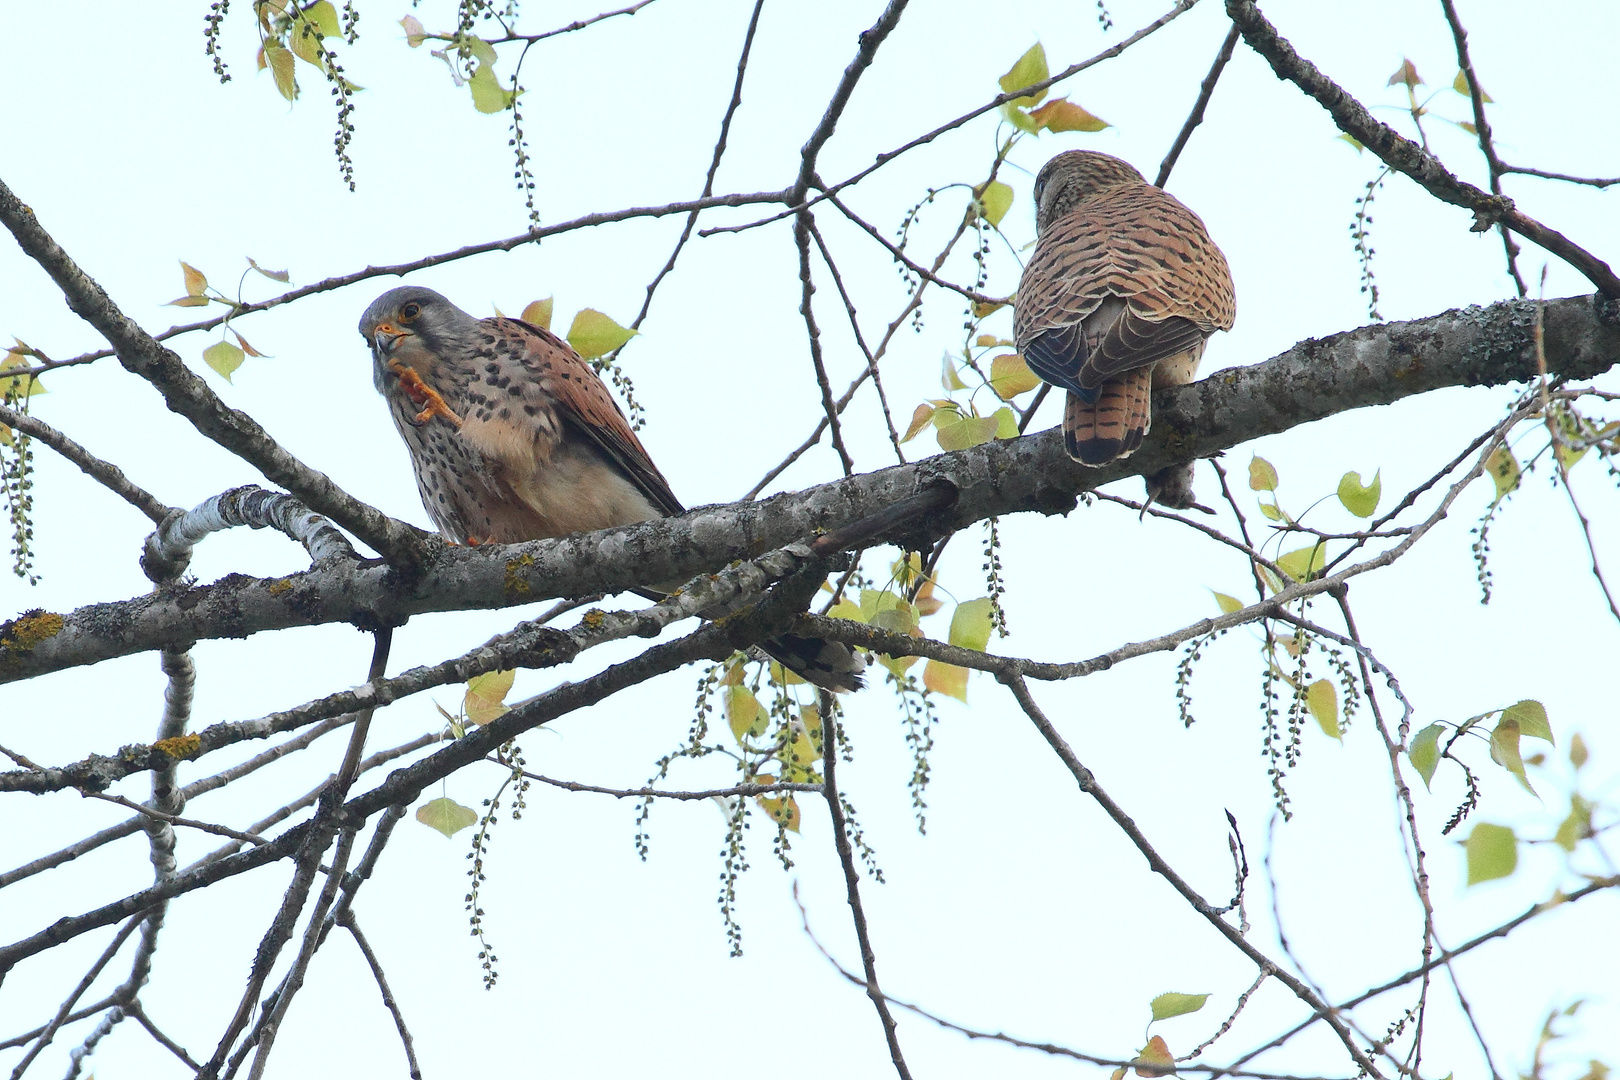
1322,699
1167,1005
1424,753
970,624
593,334
1010,376
1460,84
1577,826
488,95
18,387
415,33
243,342
781,676
1503,468
744,714
1262,475
1061,114
274,275
983,309
783,811
1228,604
281,62
196,281
964,431
1302,563
947,679
1577,751
306,44
1531,718
919,420
538,312
445,815
1269,510
1353,141
948,378
486,696
1493,852
1505,750
1360,501
995,199
1030,69
325,18
1155,1059
223,357
1006,423
1405,74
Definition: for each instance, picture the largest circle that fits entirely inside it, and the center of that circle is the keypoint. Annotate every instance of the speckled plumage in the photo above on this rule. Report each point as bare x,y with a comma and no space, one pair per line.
1123,290
514,437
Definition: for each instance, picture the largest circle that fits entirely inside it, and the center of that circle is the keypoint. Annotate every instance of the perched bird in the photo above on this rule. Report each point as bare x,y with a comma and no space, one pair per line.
514,437
1123,290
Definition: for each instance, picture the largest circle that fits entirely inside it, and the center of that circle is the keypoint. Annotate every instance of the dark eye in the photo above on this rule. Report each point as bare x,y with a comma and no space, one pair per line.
409,312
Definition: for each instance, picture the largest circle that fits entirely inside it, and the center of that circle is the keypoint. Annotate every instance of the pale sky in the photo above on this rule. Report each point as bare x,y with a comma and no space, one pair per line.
1023,910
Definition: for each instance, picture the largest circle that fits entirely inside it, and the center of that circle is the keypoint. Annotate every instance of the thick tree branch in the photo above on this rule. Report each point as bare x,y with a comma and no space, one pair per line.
1373,365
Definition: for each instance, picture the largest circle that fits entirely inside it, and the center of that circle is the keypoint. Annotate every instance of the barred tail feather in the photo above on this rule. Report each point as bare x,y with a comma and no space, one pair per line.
1114,425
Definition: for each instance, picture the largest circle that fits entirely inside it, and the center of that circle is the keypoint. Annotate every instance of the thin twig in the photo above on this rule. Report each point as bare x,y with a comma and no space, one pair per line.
347,921
801,240
104,473
852,879
1588,181
1196,117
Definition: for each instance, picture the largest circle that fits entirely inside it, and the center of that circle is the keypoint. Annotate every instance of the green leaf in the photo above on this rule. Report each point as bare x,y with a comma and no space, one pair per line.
325,18
481,50
1010,376
445,815
744,714
1360,501
306,44
1270,510
1503,468
1322,699
1460,84
1505,750
538,313
1262,475
1019,119
1424,753
1493,852
1353,141
281,63
919,420
995,199
1577,826
1030,69
1006,423
17,387
486,696
488,94
964,431
1531,718
970,624
223,357
1302,564
196,280
947,679
593,334
1228,604
783,811
948,378
1061,114
1167,1005
1577,751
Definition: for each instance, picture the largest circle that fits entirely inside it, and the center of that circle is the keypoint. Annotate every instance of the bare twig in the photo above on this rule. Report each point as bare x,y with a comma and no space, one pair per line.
1565,177
104,473
801,240
347,921
1196,117
852,878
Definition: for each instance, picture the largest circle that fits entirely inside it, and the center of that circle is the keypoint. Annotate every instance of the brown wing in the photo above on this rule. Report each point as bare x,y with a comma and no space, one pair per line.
1138,244
585,403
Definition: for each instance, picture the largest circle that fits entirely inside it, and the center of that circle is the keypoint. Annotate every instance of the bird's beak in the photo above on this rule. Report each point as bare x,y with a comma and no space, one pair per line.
387,337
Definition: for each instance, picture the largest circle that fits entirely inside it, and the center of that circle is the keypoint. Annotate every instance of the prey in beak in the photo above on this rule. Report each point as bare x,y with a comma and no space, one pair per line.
386,340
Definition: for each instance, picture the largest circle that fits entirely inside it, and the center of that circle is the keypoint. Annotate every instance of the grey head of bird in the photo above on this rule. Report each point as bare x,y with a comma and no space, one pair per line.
415,327
1074,177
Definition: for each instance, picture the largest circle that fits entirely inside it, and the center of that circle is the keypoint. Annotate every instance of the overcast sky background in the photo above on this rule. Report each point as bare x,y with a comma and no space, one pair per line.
1023,910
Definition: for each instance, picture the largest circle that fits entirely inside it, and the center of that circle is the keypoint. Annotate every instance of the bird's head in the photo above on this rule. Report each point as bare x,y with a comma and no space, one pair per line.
1070,179
412,327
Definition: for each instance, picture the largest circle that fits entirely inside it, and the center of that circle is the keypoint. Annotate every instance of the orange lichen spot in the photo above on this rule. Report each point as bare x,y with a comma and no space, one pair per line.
594,618
180,747
280,586
514,574
422,394
27,630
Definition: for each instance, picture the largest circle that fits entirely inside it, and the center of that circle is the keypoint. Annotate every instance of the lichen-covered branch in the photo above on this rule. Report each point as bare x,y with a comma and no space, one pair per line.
1373,365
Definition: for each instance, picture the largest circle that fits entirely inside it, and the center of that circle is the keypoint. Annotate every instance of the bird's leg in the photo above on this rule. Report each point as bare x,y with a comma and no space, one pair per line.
422,394
1172,487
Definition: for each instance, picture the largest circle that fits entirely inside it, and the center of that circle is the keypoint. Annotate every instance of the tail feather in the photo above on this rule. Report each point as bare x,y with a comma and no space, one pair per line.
830,665
1113,426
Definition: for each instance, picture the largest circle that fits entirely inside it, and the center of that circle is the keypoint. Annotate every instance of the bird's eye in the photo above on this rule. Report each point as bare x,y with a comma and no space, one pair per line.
409,312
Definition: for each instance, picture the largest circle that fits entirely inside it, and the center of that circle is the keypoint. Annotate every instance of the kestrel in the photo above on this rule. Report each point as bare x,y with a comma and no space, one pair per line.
514,437
1123,290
